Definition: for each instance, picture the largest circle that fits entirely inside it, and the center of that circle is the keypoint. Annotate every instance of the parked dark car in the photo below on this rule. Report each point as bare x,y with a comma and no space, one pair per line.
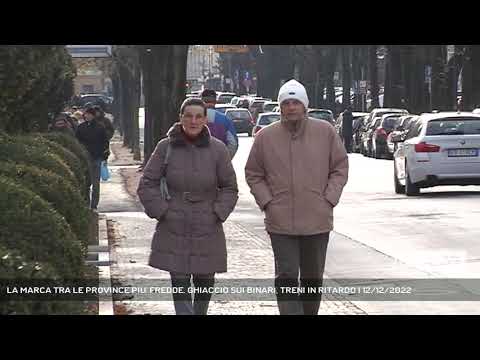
381,129
256,107
242,120
357,121
243,103
358,124
365,136
403,126
375,118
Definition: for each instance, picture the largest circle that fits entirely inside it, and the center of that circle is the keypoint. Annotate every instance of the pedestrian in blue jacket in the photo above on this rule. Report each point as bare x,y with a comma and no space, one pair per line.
220,126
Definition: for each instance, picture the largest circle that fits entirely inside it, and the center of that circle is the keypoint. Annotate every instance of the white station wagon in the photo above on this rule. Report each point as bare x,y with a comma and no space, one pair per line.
440,149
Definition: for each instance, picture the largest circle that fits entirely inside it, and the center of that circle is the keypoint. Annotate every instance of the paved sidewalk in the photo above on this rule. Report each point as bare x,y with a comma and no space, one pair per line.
249,252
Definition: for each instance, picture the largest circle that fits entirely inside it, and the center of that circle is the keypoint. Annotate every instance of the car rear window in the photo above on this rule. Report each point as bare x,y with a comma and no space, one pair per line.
238,115
322,115
267,120
390,123
457,126
224,99
269,107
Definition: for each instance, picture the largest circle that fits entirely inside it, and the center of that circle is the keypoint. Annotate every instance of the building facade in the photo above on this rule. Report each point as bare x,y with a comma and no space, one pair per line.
202,67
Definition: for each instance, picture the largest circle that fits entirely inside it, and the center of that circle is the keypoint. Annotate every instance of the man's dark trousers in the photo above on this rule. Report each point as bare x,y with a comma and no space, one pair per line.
294,256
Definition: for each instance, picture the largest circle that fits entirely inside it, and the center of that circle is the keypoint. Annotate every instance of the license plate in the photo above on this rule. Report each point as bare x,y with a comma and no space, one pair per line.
463,153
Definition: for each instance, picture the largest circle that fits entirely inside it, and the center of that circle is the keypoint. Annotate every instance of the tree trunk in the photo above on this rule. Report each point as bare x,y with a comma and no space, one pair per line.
116,101
356,75
347,75
373,72
146,66
330,74
180,57
127,122
393,82
471,78
454,67
439,77
164,69
136,94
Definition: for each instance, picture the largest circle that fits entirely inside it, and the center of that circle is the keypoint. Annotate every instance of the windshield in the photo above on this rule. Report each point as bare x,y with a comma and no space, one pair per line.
267,120
238,115
457,126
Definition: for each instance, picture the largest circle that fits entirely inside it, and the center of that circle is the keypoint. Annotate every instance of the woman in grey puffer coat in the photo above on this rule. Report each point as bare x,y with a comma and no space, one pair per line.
189,240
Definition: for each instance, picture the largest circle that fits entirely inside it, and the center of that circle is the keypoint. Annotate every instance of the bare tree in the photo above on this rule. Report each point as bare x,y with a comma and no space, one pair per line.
127,65
164,85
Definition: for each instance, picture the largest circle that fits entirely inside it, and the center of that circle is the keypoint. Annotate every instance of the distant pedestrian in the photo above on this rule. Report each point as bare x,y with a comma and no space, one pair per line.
94,137
296,171
189,186
63,124
347,129
221,127
102,119
78,115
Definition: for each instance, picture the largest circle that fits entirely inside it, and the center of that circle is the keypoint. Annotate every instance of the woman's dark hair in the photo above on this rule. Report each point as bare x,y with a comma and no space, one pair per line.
193,102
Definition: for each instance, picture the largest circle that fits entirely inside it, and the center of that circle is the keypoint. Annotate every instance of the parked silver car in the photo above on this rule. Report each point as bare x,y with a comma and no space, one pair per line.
440,149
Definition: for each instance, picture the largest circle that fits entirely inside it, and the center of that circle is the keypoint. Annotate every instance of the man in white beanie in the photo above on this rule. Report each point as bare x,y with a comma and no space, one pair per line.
296,171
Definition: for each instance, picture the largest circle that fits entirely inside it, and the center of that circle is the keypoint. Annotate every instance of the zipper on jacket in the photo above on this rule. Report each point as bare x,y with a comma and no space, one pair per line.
291,183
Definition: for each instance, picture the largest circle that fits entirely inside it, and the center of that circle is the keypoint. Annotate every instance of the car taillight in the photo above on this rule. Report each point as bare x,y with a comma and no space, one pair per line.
381,132
423,147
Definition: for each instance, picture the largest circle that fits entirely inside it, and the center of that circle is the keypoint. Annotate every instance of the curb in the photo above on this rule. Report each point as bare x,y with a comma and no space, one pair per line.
105,301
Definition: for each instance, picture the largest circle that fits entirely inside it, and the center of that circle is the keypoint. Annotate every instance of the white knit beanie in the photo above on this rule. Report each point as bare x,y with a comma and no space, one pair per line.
293,90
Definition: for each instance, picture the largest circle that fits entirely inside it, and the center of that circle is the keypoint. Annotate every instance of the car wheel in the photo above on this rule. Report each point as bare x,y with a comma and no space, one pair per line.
410,188
399,188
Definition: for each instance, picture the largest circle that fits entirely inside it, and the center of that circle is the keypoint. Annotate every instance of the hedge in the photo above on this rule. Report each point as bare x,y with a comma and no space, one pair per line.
70,159
15,269
57,191
30,225
11,149
74,146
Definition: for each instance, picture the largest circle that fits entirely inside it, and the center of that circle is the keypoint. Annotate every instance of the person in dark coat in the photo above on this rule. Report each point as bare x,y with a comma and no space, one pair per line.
63,124
102,119
199,194
94,137
347,129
